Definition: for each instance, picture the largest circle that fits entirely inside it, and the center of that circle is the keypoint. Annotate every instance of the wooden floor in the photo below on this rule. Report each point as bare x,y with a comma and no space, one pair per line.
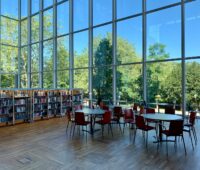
45,145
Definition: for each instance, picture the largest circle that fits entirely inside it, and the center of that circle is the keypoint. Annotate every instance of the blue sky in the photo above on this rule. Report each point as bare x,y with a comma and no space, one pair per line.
162,26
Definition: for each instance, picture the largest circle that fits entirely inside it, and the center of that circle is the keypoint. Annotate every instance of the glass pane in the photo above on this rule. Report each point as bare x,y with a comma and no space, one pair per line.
35,6
81,79
24,8
152,4
192,25
193,84
81,49
129,87
164,84
9,8
35,58
63,53
80,14
9,31
63,79
102,45
34,80
128,7
48,55
9,59
24,60
8,80
102,11
47,3
35,28
129,40
23,80
102,83
63,18
48,24
24,32
164,34
48,79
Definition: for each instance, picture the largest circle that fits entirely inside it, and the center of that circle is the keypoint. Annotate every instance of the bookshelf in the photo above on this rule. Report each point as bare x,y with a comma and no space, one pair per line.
54,103
27,105
40,104
66,101
6,106
21,106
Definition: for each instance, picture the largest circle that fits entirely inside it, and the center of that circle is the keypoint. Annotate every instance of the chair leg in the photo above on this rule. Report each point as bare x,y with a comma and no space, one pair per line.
86,133
146,139
167,145
191,138
67,126
73,130
134,135
102,129
120,128
124,127
194,134
111,129
184,144
175,144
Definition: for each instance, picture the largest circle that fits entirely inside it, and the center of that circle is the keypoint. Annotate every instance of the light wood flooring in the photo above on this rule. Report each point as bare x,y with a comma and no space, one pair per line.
45,145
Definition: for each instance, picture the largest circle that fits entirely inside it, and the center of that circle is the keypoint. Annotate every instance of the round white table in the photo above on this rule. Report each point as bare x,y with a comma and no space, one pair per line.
160,117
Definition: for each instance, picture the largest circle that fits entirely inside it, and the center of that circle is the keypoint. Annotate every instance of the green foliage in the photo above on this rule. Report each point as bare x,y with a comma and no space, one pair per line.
163,78
157,52
102,76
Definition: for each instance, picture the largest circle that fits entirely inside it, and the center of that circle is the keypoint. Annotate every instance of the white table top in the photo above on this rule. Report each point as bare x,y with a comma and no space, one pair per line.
88,111
162,117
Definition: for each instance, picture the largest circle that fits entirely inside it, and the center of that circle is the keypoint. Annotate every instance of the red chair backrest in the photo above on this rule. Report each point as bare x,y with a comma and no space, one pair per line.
176,127
140,123
104,107
107,117
169,110
117,110
128,114
150,110
79,118
192,117
135,106
142,110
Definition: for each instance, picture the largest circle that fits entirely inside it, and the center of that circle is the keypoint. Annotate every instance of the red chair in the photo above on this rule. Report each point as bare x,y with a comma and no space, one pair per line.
169,110
117,114
135,106
142,110
80,121
140,124
150,110
175,130
106,120
104,107
128,117
189,127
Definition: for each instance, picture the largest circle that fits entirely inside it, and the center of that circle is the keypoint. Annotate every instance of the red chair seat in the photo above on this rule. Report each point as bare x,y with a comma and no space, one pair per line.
147,128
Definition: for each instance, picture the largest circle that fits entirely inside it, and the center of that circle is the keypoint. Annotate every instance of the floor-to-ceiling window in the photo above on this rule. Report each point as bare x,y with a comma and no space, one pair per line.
9,21
139,49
